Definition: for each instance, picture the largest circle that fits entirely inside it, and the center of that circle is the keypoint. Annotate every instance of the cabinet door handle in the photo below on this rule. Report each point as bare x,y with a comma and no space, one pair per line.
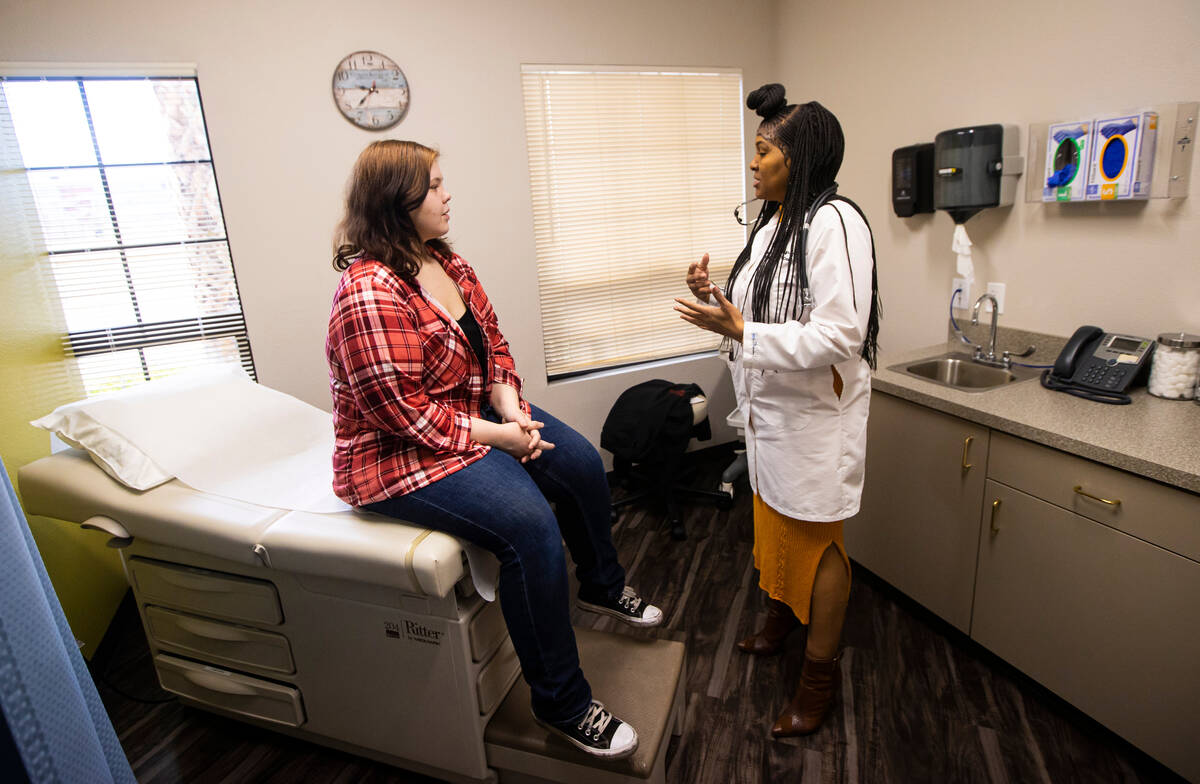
1079,490
995,506
966,446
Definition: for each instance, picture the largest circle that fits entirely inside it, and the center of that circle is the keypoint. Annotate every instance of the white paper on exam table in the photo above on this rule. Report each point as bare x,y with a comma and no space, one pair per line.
222,433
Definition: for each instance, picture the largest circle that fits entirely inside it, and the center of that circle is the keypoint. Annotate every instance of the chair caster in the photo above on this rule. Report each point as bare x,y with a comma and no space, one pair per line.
725,504
678,532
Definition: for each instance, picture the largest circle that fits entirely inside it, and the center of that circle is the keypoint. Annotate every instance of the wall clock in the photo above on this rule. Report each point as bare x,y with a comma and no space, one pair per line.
370,90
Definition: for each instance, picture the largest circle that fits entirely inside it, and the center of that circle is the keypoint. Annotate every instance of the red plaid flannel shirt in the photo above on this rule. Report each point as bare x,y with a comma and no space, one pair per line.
405,381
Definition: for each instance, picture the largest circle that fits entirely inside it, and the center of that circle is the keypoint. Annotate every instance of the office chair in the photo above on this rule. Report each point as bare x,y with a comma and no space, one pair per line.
739,466
660,479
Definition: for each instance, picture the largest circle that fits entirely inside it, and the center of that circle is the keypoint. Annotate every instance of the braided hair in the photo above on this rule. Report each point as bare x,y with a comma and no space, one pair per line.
810,138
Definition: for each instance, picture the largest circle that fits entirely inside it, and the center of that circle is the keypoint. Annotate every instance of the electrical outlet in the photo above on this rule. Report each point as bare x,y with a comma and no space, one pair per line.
963,300
997,291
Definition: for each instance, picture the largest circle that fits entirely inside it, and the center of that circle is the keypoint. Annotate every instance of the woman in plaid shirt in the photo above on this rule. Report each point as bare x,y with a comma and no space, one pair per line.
431,428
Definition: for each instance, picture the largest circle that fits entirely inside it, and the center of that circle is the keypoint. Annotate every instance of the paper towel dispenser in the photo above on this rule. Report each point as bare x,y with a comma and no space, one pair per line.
912,179
976,167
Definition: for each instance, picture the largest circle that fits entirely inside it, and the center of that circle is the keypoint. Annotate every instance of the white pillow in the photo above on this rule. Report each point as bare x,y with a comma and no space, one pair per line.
97,424
113,453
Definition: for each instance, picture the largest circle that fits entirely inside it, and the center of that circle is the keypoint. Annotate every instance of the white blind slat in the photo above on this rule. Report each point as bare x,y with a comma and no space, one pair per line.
120,193
635,174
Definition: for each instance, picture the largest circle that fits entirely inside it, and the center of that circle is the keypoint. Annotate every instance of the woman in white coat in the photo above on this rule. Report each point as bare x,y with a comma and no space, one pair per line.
800,321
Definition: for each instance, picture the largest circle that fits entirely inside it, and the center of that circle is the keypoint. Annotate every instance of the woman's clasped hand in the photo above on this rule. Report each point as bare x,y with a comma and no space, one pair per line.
522,438
518,434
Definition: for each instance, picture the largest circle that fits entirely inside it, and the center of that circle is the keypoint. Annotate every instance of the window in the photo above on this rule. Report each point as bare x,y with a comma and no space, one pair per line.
121,196
634,175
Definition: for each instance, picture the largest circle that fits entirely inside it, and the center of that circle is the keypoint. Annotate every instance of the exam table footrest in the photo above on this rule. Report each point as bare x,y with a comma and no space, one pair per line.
520,750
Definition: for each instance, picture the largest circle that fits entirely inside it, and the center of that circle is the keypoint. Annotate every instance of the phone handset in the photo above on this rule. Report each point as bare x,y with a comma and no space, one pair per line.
1074,351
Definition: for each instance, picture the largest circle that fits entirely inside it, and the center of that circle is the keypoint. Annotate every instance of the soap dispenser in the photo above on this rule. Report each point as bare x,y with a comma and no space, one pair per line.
912,180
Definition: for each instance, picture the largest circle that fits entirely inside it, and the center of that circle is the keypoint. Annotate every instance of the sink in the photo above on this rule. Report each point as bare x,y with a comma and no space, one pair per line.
959,371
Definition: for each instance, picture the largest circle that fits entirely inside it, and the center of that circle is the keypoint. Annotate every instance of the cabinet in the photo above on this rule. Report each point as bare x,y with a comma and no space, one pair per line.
1077,588
1084,577
1107,621
919,523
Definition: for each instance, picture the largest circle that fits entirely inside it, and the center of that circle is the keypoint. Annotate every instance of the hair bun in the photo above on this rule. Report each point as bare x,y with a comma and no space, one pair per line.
767,100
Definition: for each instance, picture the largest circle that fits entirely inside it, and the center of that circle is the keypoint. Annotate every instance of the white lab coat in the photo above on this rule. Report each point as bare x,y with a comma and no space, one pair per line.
805,447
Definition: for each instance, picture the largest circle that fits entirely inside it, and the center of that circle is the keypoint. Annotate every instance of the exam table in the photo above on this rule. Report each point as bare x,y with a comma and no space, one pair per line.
349,630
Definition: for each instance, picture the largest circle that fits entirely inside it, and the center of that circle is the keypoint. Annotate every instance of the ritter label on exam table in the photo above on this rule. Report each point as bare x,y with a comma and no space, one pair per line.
414,631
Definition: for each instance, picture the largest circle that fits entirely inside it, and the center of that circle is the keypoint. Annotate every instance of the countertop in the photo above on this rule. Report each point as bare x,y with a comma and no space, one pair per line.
1152,437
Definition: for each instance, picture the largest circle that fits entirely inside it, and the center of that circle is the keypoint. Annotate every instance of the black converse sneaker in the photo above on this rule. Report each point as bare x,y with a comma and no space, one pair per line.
628,607
597,732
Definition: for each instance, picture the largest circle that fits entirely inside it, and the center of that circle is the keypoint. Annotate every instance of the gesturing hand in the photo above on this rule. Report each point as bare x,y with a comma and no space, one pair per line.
722,318
697,278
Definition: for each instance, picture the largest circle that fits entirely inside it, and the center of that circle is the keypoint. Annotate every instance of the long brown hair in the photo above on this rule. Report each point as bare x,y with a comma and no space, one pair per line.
389,181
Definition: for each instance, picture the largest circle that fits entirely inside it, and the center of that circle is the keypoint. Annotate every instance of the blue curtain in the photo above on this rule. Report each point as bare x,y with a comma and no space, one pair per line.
51,707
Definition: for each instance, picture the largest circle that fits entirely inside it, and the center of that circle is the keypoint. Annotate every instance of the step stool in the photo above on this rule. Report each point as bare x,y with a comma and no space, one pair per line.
521,751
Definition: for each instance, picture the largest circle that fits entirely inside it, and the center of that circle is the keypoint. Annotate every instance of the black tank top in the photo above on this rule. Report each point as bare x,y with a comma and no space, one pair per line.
470,328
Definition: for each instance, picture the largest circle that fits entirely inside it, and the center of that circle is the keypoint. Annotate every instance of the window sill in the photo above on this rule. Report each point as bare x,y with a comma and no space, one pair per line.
620,370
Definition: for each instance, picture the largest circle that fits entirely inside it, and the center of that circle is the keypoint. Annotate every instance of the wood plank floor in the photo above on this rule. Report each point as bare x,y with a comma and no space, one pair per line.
920,701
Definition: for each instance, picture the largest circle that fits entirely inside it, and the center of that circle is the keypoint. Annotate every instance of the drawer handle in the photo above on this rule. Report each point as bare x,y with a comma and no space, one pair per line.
219,683
1079,490
995,506
195,582
966,446
212,631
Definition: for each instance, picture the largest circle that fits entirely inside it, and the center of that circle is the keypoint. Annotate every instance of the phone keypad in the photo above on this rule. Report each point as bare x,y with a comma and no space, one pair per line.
1104,376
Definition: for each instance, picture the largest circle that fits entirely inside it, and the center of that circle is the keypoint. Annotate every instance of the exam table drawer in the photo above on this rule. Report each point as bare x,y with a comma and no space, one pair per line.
486,631
206,592
219,642
495,677
231,691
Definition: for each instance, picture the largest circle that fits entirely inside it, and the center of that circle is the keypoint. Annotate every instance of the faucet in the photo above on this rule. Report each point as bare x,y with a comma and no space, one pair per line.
1006,360
990,356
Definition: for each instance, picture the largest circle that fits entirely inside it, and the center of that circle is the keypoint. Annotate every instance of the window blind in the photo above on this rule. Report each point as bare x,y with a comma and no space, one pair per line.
634,174
121,189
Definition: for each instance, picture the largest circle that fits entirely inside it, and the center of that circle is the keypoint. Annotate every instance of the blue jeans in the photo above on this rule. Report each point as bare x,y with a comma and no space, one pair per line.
502,505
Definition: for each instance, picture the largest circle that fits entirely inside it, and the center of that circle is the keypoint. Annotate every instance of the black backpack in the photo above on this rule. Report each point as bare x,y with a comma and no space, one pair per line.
652,422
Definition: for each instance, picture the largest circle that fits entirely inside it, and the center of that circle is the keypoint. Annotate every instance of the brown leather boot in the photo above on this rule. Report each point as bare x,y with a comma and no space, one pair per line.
819,681
769,640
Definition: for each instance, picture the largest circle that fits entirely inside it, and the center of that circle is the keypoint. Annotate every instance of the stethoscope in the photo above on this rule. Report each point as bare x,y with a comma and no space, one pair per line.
824,197
739,212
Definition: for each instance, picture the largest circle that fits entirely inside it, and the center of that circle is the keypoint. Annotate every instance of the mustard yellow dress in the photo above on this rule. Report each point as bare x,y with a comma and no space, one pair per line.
787,552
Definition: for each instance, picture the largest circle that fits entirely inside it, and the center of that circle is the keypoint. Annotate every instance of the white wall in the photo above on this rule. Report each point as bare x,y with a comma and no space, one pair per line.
894,73
897,73
283,152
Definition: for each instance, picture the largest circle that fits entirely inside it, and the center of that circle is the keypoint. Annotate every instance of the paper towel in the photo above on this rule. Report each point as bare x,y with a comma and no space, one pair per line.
962,246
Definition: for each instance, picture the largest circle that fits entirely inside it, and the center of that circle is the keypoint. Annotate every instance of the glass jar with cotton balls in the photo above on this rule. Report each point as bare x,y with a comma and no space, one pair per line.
1175,371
